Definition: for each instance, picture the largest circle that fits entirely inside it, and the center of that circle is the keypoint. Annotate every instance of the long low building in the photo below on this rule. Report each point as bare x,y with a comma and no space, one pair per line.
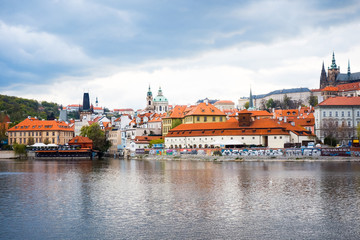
40,131
243,130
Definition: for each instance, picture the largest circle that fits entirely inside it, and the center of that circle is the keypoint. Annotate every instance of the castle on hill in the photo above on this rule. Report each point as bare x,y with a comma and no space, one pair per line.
334,77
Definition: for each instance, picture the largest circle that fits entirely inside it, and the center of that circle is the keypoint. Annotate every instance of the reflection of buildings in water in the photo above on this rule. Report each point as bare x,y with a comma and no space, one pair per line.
339,185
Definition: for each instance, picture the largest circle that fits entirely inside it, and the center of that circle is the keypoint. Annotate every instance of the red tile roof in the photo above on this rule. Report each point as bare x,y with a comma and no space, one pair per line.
177,112
33,124
231,127
205,109
330,89
224,102
349,86
80,139
341,101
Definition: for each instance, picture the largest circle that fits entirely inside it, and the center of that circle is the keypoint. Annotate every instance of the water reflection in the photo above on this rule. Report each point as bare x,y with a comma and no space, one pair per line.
179,199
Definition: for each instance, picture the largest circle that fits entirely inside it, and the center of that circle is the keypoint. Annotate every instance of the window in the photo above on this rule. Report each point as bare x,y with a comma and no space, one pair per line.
358,114
253,137
324,114
280,137
349,124
214,119
336,114
349,113
198,119
330,114
242,137
205,119
342,114
220,119
231,138
274,137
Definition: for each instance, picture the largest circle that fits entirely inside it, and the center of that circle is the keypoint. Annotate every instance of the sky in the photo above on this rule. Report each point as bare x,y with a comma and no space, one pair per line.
55,50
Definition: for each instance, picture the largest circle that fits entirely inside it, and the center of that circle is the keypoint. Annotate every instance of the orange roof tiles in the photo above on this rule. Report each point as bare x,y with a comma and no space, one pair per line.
177,112
349,86
224,102
205,109
330,89
80,139
33,124
260,113
231,127
341,101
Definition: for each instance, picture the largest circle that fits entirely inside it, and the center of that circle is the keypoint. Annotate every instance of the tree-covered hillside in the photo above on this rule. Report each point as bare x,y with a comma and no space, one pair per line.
19,108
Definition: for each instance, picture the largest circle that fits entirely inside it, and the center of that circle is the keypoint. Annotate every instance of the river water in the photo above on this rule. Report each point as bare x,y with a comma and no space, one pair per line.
129,199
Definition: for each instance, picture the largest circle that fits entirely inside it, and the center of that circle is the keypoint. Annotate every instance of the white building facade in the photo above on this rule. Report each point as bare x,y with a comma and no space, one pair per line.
339,117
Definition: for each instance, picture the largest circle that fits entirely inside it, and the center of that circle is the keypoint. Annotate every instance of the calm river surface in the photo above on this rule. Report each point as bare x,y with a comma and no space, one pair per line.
129,199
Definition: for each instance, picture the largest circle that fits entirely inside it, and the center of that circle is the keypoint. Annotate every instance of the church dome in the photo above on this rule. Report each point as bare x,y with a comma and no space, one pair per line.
160,99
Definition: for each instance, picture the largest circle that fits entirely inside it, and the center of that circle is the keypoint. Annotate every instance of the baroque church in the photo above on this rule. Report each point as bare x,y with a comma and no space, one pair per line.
334,77
159,104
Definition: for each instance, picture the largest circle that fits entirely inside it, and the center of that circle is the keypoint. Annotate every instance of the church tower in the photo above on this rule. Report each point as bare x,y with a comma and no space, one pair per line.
333,71
323,78
149,100
251,101
86,108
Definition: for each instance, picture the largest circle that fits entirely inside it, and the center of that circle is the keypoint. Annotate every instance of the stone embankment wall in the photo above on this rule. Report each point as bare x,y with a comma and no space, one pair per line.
7,154
252,153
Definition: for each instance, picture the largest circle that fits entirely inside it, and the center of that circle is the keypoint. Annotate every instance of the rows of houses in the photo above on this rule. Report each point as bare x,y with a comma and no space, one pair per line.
213,123
205,126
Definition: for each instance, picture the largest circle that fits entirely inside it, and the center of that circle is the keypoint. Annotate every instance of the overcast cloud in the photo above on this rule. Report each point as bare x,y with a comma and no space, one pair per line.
56,50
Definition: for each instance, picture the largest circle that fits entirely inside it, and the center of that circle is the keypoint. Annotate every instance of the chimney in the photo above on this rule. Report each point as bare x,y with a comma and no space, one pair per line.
285,119
293,124
206,101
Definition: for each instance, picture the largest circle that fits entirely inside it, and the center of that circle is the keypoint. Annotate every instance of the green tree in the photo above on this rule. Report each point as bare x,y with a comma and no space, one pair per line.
74,115
270,104
287,102
156,141
175,123
98,137
46,141
31,141
20,149
331,140
247,105
313,100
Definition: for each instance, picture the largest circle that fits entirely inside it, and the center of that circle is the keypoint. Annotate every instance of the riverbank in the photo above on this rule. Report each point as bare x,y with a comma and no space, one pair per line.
7,155
244,158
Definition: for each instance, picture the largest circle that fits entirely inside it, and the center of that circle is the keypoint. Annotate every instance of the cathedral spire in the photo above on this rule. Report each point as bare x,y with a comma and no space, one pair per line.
323,78
251,103
348,72
333,62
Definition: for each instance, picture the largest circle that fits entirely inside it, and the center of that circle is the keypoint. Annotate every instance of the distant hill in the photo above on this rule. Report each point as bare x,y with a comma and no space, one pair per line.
20,108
